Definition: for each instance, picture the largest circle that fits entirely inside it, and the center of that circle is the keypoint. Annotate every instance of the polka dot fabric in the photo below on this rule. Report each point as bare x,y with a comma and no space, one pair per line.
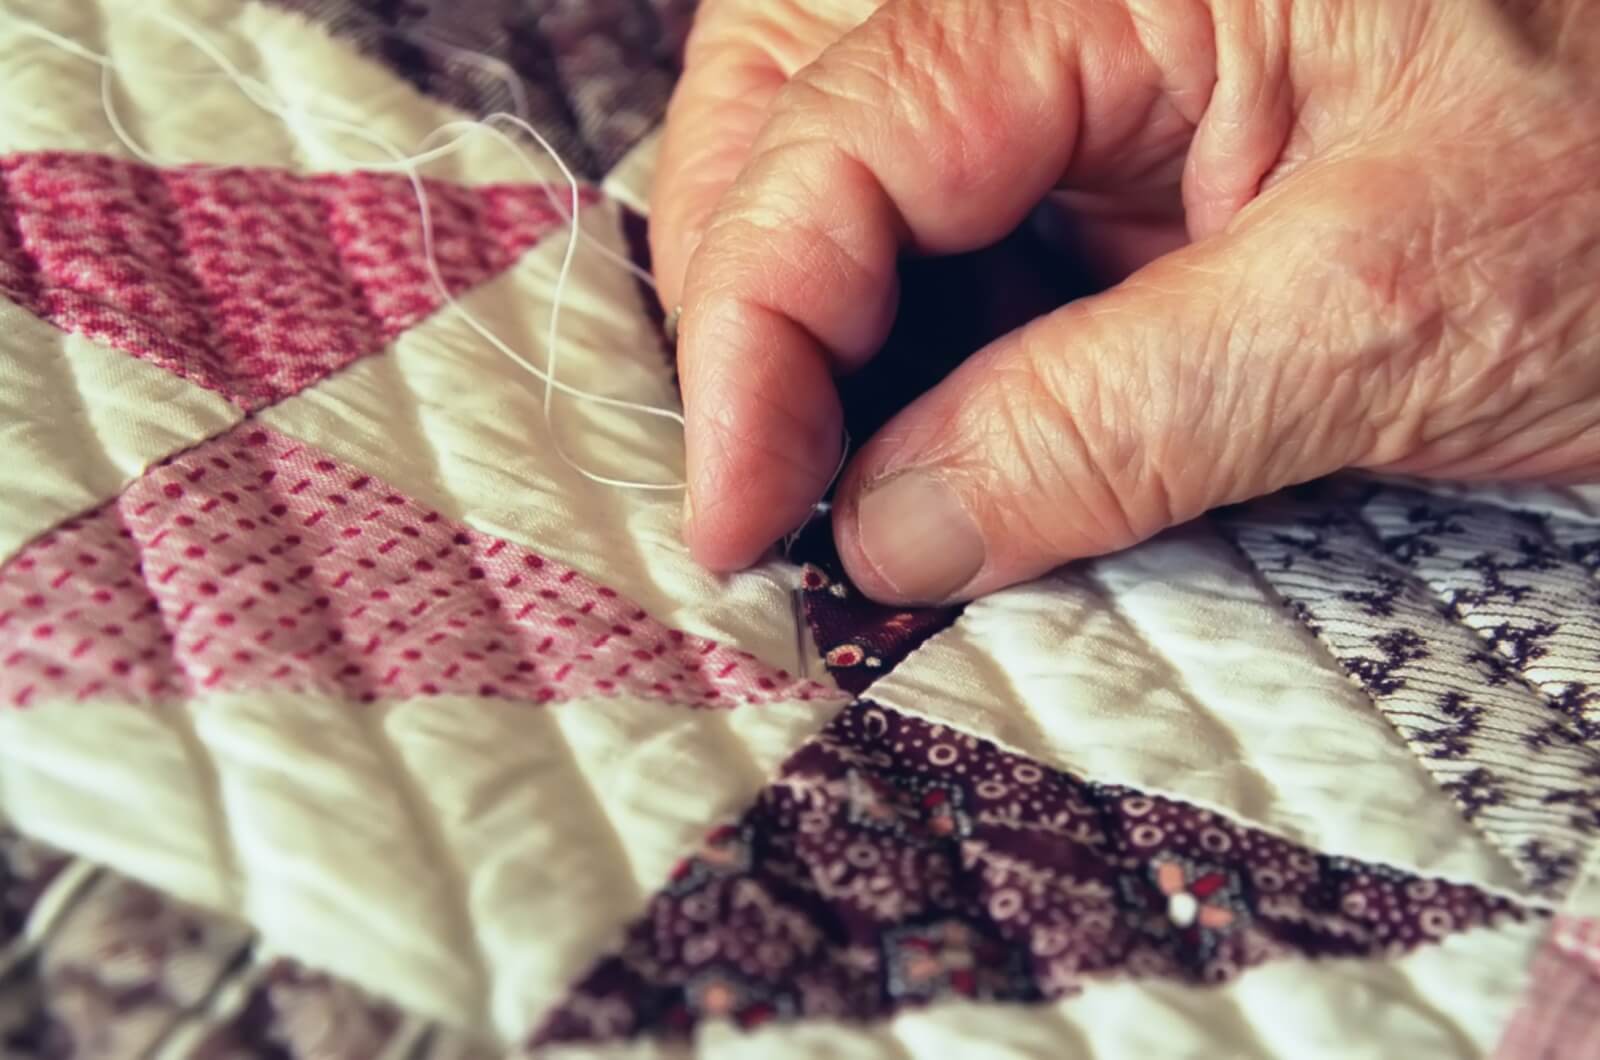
897,863
255,562
254,283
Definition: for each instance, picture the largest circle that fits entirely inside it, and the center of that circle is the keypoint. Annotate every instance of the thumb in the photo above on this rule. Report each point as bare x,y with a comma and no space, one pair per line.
1255,359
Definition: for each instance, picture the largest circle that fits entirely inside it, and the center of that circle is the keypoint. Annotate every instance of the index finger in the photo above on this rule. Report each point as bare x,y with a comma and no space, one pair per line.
739,55
934,126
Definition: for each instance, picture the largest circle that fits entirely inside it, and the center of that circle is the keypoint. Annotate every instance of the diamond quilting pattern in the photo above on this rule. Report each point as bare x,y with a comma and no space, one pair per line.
256,562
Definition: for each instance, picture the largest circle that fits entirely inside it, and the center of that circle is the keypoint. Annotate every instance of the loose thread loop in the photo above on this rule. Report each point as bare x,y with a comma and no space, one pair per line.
454,135
297,117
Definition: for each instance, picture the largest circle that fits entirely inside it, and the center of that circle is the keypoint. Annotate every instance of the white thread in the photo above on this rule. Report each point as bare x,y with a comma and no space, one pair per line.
553,341
552,358
519,117
822,507
263,97
108,104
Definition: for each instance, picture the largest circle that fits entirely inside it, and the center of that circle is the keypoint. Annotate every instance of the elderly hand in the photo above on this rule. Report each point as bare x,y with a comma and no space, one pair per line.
1346,233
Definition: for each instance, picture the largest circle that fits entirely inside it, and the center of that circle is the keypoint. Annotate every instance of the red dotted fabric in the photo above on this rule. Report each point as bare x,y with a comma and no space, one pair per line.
254,283
256,562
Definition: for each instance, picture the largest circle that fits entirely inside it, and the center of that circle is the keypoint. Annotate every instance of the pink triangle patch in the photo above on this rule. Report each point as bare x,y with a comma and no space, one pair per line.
255,562
254,283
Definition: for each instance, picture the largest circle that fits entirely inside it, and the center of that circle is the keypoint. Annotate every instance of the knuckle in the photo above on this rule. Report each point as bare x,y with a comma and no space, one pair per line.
1076,438
932,74
804,233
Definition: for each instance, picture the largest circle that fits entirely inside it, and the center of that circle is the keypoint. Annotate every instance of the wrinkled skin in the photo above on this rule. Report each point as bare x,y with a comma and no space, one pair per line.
1344,234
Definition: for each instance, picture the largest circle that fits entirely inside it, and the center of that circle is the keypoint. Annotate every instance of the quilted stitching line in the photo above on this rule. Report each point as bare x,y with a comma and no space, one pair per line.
208,781
257,560
590,796
1173,678
430,834
793,916
149,234
1451,611
289,906
1517,638
409,433
1317,643
183,666
1303,561
60,373
245,378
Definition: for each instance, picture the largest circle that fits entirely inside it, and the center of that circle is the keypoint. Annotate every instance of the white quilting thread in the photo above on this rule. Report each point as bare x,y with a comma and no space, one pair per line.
296,118
552,359
260,95
408,165
519,117
822,507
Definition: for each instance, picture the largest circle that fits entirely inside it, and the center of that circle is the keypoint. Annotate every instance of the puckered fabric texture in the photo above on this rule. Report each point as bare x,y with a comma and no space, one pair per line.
342,715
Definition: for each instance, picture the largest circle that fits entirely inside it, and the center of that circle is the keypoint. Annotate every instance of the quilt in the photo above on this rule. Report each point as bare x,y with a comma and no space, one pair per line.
345,714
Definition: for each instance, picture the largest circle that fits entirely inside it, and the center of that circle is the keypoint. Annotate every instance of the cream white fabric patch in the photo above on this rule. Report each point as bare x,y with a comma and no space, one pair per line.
1446,1000
468,858
454,423
1168,668
122,786
331,847
180,107
562,822
629,181
78,422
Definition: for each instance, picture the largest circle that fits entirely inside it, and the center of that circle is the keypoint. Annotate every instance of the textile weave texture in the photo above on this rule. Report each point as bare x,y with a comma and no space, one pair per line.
343,715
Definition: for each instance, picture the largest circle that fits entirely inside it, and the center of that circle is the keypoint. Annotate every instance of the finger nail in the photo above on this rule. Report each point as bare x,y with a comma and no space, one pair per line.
916,533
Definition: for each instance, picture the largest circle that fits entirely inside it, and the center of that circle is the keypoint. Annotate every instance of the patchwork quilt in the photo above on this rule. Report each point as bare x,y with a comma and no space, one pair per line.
343,716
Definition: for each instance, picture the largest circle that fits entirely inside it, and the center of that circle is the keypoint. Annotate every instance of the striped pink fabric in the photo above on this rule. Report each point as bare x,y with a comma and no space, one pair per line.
1560,1015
